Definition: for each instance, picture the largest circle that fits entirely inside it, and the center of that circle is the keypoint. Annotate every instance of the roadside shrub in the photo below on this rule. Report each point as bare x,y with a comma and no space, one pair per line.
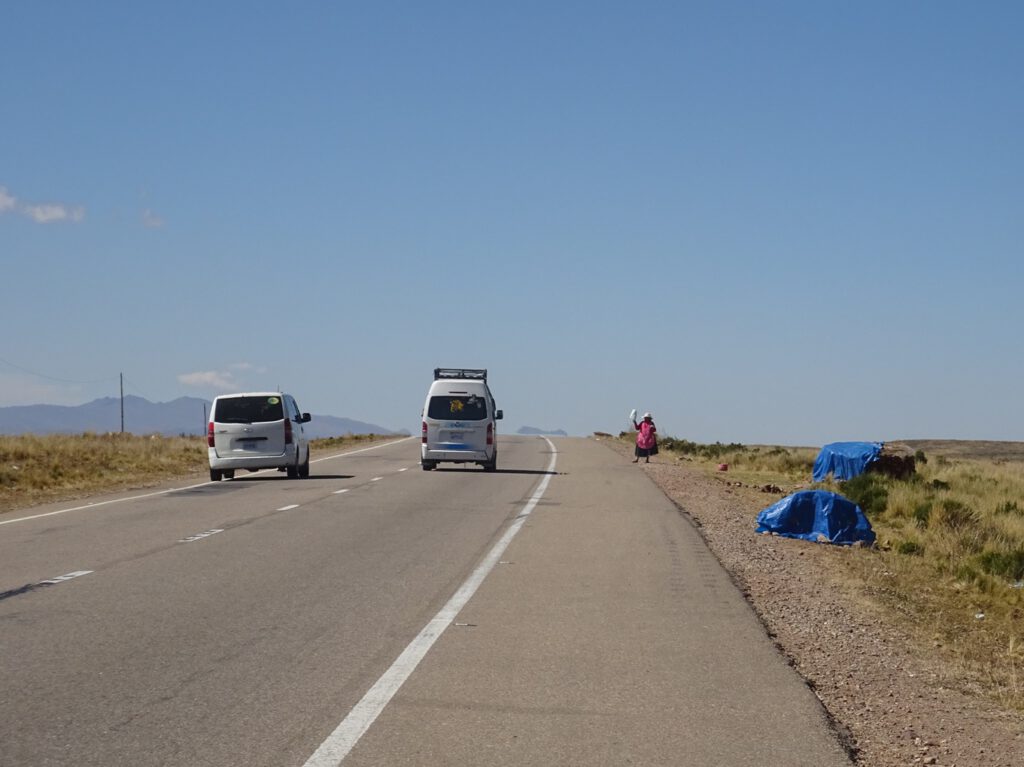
1005,564
938,484
922,514
717,450
683,446
686,447
868,491
920,457
1009,507
967,572
910,548
954,515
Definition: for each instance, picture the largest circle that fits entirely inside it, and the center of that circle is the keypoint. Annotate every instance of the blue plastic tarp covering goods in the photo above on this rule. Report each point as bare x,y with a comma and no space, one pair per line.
845,460
817,515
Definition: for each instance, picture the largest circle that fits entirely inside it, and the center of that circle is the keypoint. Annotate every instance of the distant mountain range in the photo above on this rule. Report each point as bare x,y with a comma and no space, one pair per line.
533,430
185,415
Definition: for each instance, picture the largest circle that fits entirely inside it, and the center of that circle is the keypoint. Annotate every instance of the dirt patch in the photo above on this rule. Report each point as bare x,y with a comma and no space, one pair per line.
893,703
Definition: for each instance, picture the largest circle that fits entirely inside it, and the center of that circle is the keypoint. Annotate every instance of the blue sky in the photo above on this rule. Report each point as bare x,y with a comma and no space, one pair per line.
792,222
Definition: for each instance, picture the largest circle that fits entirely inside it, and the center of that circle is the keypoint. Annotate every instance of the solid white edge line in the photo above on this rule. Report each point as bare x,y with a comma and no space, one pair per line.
345,736
97,504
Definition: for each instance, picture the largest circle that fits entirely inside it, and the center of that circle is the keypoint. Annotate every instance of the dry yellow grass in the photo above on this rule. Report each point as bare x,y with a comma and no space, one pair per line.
37,469
40,469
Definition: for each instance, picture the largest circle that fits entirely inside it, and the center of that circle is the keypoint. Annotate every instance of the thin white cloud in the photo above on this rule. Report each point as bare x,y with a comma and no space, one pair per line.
52,212
151,220
248,367
7,200
41,213
213,379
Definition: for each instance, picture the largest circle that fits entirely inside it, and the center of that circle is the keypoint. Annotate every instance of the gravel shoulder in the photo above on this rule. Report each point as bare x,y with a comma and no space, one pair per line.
894,705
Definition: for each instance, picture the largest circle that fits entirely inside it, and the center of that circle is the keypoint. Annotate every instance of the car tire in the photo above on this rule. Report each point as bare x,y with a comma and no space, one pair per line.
293,471
229,474
428,465
215,475
491,465
304,468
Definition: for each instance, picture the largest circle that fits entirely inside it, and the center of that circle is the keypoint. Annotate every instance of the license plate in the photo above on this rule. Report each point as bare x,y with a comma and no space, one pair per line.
455,435
248,446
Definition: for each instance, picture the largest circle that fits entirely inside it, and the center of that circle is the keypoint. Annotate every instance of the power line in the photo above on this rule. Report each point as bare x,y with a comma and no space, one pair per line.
136,387
53,378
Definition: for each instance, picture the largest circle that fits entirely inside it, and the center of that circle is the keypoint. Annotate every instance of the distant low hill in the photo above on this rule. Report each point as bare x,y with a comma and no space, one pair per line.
185,415
990,450
534,431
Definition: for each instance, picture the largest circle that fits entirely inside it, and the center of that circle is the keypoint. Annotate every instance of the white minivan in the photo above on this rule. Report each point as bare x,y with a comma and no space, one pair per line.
459,420
257,430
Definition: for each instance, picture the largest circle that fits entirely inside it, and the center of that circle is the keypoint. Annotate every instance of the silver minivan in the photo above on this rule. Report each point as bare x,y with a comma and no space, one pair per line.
257,430
459,420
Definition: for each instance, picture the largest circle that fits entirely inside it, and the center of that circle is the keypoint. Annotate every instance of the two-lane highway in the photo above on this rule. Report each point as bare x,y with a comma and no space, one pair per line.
233,623
560,611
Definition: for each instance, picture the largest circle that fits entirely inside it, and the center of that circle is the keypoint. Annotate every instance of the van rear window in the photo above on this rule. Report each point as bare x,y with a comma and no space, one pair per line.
249,409
462,407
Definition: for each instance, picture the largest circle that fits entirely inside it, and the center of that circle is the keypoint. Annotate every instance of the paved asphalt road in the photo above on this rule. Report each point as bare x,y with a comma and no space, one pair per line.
240,623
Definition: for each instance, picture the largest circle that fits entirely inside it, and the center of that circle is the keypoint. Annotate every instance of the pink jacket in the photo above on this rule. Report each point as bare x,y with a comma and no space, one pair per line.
646,435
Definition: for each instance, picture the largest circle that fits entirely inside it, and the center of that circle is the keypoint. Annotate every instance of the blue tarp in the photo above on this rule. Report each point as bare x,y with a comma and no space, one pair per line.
845,460
817,515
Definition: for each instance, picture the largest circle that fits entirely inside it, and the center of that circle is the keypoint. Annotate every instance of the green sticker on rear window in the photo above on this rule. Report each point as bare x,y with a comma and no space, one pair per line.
273,400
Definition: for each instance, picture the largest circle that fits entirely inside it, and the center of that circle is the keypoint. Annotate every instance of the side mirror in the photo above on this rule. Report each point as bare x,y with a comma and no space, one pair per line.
306,418
498,415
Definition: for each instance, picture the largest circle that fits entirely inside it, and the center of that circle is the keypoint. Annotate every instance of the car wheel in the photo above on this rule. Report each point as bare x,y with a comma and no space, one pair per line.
491,465
229,474
304,468
293,471
215,475
428,465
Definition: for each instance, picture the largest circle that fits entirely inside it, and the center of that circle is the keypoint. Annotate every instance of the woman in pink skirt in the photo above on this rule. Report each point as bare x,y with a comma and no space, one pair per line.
646,439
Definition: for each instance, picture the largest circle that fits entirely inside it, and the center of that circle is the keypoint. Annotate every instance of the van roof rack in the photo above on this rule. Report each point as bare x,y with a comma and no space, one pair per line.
475,373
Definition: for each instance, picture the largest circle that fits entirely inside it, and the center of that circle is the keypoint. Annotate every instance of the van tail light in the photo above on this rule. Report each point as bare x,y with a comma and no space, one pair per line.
209,435
424,440
287,431
490,434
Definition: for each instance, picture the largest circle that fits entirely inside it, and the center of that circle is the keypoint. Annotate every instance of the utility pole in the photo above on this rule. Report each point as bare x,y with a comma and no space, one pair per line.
122,403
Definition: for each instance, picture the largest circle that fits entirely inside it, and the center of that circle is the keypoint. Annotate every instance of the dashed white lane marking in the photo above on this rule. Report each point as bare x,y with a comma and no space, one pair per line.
200,536
377,479
97,504
339,492
340,742
289,508
68,577
405,469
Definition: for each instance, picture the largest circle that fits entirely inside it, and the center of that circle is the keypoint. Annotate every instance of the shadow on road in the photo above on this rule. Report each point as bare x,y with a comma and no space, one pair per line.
281,478
501,471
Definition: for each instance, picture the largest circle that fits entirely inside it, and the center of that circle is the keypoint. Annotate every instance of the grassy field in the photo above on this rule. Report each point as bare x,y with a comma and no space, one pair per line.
949,560
40,469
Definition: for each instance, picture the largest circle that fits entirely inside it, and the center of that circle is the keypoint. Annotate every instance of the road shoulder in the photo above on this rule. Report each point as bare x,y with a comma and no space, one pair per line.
898,706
